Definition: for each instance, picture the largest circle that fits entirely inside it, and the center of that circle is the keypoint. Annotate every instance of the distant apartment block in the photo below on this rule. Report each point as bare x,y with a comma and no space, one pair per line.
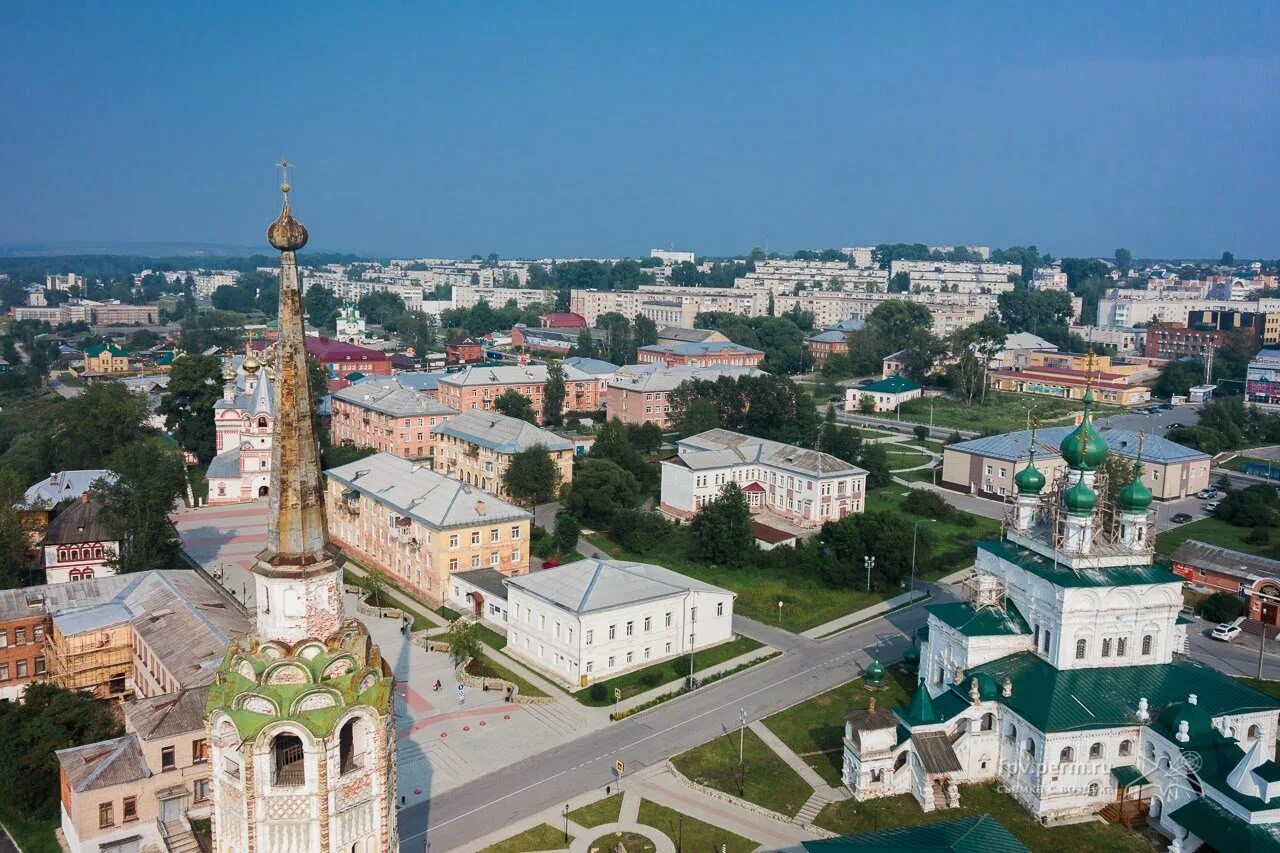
498,297
671,258
65,282
205,285
382,414
478,386
706,354
956,277
1048,278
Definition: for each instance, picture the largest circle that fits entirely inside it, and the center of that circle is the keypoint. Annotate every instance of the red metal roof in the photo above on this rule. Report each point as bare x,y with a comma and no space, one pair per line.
327,349
563,320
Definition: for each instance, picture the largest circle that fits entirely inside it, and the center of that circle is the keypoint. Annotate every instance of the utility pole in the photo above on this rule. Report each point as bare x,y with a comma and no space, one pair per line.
870,563
742,728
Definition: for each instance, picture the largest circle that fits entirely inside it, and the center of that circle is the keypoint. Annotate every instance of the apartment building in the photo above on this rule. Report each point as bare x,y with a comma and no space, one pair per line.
784,276
704,354
638,393
22,640
956,277
805,488
477,387
338,358
65,282
1125,340
204,285
1048,278
599,370
497,297
1174,340
671,258
381,413
593,619
1141,307
950,311
1262,379
419,526
477,447
668,306
861,256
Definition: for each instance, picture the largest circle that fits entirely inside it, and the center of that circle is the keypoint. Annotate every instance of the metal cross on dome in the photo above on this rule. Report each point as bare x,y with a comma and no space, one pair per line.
284,166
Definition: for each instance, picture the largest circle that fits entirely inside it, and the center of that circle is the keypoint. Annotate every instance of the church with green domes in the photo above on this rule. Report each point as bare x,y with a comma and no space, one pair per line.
1061,674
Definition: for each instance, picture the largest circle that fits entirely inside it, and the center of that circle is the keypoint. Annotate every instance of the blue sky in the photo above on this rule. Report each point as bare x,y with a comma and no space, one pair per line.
602,129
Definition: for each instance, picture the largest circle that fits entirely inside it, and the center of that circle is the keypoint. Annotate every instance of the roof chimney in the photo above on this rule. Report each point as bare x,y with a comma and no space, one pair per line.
53,478
1193,699
84,497
481,508
871,706
1006,689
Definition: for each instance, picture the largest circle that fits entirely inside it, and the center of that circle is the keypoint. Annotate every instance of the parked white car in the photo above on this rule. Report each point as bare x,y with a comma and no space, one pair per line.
1226,632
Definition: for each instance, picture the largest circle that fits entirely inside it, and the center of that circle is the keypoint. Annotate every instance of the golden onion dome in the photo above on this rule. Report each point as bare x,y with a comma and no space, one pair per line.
251,363
286,234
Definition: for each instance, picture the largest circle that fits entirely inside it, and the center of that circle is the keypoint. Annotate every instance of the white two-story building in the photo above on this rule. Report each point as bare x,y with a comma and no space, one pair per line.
593,619
804,487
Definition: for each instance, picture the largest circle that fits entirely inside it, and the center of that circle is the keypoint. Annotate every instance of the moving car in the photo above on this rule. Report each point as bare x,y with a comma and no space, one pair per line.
1180,518
1207,494
1227,631
1212,506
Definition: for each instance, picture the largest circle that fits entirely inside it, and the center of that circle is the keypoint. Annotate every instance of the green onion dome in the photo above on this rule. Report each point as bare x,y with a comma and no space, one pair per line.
875,672
1029,480
1083,449
1080,499
912,655
1135,497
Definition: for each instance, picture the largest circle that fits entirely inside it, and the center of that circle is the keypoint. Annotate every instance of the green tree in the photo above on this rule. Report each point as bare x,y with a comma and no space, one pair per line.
47,719
1228,259
972,349
921,432
381,307
532,477
1034,310
150,478
722,528
230,297
867,404
513,404
921,356
586,345
893,320
875,460
85,431
553,394
698,416
646,331
1177,377
375,585
1221,607
1124,258
639,531
15,531
621,345
321,306
600,488
463,638
195,384
567,532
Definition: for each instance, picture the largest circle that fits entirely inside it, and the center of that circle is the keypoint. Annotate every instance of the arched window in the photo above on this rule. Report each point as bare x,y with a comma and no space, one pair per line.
1146,644
1165,763
262,423
351,746
86,574
98,553
1029,747
1096,750
900,762
1126,747
877,775
1254,731
1011,732
1151,751
1094,789
1121,644
1067,755
1106,647
988,722
222,490
288,760
74,574
1081,647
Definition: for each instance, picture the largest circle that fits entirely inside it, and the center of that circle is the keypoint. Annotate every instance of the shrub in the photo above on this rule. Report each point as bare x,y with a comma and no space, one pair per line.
927,503
639,531
1259,536
1222,607
598,692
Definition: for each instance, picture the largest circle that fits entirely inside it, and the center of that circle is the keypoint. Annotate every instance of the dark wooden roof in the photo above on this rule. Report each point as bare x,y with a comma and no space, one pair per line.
82,521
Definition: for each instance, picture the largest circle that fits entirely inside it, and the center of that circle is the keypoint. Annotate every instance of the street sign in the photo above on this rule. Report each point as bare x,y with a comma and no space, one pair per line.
617,694
617,767
462,688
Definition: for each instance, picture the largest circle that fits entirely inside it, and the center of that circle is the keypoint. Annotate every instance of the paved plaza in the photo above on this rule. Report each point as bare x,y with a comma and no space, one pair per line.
443,742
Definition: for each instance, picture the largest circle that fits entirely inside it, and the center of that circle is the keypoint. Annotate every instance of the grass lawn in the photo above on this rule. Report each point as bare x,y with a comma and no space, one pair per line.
956,536
904,456
769,781
1003,412
690,834
601,693
490,637
598,813
814,729
70,379
1215,532
923,475
851,817
806,602
541,837
486,667
34,835
1271,688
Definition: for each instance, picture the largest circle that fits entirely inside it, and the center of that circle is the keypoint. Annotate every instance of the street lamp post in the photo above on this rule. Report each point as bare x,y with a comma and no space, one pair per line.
779,613
742,728
915,531
566,823
870,563
691,660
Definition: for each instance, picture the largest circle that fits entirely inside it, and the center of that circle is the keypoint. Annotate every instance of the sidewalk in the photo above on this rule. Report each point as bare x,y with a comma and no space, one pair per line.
850,619
673,686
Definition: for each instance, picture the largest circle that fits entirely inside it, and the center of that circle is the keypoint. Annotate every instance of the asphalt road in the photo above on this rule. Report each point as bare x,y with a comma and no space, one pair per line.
1238,657
806,668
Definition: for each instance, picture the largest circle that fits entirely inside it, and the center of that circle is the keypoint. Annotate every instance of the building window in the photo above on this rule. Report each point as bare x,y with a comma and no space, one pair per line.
515,533
475,537
1106,647
22,669
475,561
1146,644
168,760
4,639
1126,748
1121,642
4,672
1095,751
693,614
106,815
19,636
591,635
453,564
493,535
40,666
631,628
668,649
648,623
199,751
720,608
628,657
1081,647
591,665
453,541
515,556
646,653
613,632
494,559
37,631
611,662
129,810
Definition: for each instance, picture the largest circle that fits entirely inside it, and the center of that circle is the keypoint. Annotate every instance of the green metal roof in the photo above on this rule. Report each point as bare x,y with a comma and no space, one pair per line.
98,349
1061,575
977,834
892,385
1224,831
987,622
1055,700
1129,776
1268,771
920,712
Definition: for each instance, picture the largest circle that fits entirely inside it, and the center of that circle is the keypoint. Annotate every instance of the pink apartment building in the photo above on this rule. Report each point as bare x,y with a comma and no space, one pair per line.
638,392
478,387
703,354
382,414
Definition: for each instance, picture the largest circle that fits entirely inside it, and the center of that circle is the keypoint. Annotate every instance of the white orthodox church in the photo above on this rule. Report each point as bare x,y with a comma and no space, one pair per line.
243,420
349,325
1061,676
300,718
